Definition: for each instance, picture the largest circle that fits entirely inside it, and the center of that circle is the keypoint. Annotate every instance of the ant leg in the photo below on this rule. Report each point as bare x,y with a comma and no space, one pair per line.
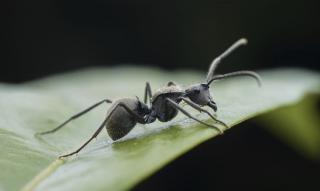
75,116
147,92
177,106
134,114
200,109
87,142
218,59
121,104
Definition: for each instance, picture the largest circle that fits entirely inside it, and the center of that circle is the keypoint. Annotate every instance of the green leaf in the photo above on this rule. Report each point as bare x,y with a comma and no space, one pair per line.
30,163
297,125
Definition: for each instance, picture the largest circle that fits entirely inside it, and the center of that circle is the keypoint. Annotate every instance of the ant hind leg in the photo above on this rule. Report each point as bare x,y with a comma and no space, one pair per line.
121,104
87,142
75,117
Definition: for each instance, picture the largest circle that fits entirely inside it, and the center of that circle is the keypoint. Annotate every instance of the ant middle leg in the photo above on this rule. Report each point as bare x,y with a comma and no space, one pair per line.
147,93
75,117
177,106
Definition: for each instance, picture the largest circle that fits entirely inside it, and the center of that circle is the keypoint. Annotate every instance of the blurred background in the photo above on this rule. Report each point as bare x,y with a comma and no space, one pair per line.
40,38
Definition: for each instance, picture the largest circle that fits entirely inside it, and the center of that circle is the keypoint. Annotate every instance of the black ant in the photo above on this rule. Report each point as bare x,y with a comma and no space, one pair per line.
125,113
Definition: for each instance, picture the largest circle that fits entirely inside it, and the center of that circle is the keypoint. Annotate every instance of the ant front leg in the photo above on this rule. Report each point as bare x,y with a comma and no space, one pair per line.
177,106
200,109
75,117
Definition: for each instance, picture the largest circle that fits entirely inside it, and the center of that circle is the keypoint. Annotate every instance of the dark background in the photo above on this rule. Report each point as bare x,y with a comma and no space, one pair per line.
46,37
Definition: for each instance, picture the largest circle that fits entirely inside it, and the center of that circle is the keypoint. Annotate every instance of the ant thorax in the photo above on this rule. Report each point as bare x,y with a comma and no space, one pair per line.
171,88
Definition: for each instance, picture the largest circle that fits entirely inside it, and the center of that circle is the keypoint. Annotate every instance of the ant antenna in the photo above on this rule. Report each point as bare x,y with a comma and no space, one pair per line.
238,73
218,59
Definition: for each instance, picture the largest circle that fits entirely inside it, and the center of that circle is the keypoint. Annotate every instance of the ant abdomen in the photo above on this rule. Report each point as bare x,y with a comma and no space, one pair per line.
121,121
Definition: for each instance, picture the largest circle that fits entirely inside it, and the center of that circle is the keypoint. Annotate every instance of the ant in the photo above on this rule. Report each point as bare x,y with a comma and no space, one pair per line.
125,113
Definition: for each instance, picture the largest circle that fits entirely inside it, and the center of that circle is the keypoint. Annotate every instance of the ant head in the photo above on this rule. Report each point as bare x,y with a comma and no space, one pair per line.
200,94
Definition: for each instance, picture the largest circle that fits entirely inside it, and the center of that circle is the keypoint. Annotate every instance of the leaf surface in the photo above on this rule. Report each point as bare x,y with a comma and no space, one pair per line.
30,163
